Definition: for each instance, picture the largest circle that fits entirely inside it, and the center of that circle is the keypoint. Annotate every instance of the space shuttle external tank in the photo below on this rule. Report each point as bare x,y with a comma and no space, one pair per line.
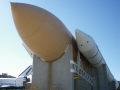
42,32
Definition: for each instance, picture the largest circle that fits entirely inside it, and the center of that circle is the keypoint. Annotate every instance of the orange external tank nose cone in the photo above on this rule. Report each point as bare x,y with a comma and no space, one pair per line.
41,31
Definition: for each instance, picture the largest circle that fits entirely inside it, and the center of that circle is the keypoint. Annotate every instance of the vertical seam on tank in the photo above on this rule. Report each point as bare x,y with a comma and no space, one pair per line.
38,28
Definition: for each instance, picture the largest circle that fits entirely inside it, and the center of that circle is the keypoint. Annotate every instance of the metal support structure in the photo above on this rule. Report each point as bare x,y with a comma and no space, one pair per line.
78,70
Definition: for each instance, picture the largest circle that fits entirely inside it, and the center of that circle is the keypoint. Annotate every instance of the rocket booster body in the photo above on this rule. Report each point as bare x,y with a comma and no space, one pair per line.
90,50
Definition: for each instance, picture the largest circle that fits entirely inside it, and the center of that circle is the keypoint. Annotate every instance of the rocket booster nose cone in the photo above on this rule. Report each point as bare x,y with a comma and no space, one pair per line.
76,30
13,5
84,41
79,34
86,44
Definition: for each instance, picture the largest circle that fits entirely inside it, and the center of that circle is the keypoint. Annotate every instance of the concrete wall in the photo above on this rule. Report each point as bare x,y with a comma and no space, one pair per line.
56,73
100,82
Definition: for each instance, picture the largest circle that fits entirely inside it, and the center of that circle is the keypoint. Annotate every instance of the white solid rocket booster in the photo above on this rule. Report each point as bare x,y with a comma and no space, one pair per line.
89,49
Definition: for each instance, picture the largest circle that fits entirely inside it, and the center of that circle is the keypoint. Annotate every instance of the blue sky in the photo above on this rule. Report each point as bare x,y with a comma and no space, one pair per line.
100,19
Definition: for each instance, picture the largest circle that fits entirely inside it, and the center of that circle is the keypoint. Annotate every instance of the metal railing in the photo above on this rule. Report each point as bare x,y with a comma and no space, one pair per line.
79,70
